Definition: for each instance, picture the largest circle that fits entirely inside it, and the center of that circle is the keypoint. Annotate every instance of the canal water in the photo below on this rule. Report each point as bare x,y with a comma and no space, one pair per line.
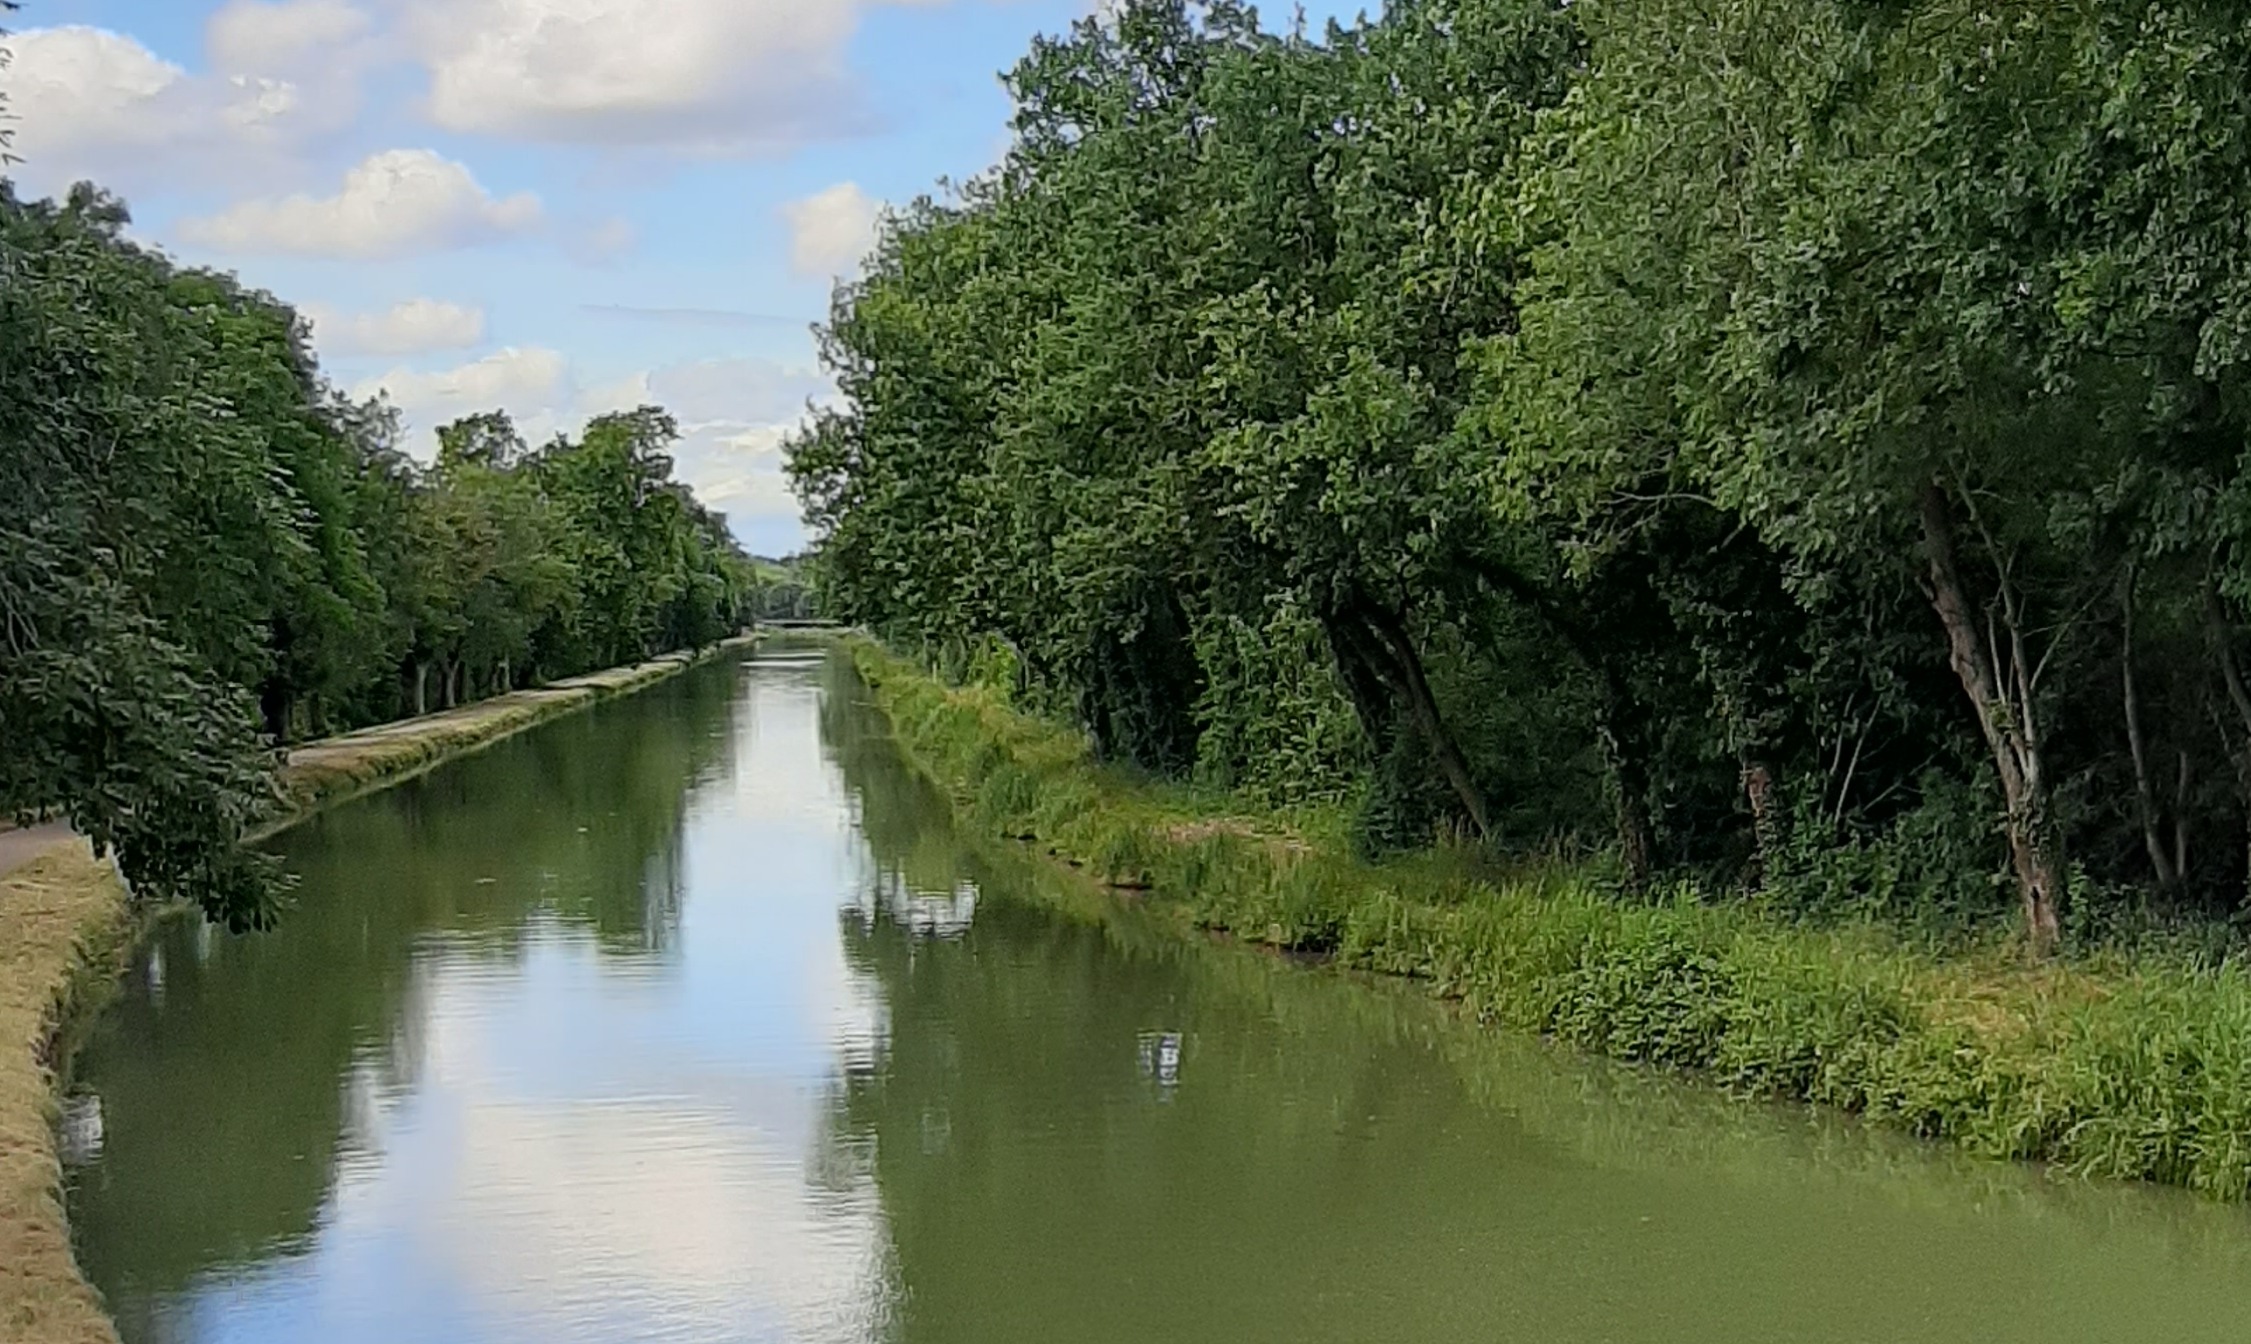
693,1018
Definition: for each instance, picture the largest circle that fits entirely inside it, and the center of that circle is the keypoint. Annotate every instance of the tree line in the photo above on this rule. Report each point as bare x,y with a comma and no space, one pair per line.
1798,441
208,552
787,590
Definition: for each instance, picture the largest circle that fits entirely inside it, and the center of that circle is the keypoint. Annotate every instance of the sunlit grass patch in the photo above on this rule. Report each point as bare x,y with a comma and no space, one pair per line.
62,924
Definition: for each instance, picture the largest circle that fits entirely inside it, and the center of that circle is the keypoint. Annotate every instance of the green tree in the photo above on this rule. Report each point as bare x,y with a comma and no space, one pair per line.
205,552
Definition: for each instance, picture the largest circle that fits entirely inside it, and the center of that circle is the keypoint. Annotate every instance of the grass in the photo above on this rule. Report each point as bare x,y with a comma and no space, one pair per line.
63,920
323,773
2131,1067
66,922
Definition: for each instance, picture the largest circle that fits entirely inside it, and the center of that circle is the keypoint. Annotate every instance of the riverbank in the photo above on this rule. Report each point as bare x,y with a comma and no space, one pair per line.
63,926
321,774
65,922
2132,1068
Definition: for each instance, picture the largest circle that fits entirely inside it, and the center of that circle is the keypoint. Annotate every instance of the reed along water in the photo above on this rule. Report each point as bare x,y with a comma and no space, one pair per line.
695,1018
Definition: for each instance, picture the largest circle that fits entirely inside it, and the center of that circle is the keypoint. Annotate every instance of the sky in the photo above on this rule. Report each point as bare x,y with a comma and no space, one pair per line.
554,207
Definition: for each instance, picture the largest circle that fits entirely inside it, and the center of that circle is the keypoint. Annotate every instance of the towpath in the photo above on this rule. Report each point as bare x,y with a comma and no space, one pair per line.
19,846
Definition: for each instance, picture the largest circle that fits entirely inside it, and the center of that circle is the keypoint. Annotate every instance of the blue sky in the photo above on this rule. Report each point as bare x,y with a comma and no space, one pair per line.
559,207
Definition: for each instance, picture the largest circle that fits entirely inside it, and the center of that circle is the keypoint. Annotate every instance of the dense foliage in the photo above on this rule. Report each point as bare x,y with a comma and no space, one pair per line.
786,590
1805,435
206,552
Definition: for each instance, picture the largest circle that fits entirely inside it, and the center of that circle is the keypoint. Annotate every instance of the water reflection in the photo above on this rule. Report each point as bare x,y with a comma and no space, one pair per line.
696,1019
1160,1058
889,899
78,1129
499,1077
1087,1129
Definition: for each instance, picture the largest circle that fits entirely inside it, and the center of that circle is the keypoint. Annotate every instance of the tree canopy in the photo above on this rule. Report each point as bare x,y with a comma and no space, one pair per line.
1797,440
207,553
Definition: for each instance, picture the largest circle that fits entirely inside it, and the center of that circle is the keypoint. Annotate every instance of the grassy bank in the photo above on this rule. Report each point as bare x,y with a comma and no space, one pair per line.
65,922
2135,1068
325,772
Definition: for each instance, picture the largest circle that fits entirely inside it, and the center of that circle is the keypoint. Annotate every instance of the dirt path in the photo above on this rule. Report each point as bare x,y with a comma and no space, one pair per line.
19,847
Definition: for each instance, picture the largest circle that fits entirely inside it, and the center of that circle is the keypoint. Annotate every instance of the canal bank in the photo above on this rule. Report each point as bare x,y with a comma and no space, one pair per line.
700,1017
65,922
2130,1068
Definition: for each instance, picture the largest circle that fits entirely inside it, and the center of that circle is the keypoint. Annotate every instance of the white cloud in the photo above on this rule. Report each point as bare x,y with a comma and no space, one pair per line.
254,37
392,204
600,243
735,463
75,88
736,393
733,414
623,394
741,473
94,103
282,81
708,76
523,381
414,327
738,472
831,230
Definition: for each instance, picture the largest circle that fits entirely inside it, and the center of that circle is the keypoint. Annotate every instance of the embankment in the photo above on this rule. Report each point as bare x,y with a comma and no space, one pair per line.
2111,1066
325,772
65,922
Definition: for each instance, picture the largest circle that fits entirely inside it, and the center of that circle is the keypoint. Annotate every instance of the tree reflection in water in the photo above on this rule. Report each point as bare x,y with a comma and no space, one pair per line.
576,826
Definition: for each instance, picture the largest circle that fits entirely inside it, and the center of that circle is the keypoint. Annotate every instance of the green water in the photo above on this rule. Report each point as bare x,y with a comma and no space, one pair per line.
694,1019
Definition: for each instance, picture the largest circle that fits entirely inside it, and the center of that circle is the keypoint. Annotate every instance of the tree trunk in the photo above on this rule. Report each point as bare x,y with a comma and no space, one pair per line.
274,706
2231,675
1392,635
1368,692
1629,775
421,688
2145,794
2183,782
1637,839
1766,827
2005,715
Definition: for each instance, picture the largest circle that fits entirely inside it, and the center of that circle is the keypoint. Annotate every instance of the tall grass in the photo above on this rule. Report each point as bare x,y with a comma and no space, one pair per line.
2138,1070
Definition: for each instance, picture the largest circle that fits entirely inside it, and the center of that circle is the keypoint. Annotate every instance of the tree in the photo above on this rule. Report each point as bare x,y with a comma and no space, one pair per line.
205,552
1817,425
108,697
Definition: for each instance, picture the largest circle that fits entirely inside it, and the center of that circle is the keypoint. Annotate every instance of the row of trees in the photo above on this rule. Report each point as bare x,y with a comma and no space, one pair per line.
206,551
787,591
1806,434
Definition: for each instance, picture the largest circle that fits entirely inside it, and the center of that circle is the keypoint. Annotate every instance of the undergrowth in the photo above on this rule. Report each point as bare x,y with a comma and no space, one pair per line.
2124,1066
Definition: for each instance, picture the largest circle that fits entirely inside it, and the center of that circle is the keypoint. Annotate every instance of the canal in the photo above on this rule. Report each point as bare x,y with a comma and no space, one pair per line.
693,1018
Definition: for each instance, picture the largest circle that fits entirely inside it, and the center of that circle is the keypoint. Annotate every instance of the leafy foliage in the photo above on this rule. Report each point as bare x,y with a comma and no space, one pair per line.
1783,440
205,553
